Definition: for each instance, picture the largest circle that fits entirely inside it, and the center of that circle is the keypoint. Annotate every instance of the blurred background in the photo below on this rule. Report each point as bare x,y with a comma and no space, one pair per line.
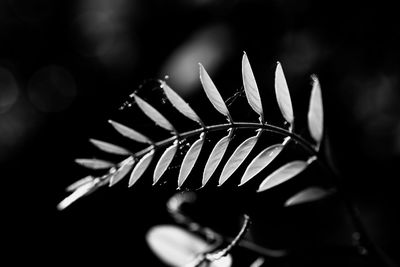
67,66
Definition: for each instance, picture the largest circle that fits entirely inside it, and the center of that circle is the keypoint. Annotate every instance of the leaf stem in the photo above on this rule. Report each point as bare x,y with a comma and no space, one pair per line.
174,208
244,243
223,252
234,125
365,244
220,127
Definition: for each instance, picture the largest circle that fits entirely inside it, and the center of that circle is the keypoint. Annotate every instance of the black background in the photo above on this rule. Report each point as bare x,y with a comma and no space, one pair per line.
352,47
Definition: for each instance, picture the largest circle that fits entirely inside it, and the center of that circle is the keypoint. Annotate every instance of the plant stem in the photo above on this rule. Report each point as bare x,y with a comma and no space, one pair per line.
174,208
261,250
104,180
223,252
364,242
234,125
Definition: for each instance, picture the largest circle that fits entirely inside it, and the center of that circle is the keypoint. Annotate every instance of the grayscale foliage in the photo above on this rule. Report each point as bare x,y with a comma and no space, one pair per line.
138,162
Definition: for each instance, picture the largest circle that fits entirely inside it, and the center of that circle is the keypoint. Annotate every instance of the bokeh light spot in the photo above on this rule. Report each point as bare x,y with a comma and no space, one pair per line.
52,89
16,126
301,51
209,46
8,90
104,31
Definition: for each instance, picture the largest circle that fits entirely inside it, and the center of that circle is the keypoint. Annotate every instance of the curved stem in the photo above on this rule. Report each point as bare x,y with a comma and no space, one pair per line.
174,209
212,256
365,243
235,125
103,180
213,128
266,252
223,252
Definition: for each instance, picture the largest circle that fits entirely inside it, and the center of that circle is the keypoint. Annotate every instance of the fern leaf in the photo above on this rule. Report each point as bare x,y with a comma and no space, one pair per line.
216,157
213,94
315,112
116,172
261,161
308,195
237,158
180,104
189,160
79,183
164,161
122,171
95,164
110,148
141,167
130,133
283,174
153,114
251,88
283,95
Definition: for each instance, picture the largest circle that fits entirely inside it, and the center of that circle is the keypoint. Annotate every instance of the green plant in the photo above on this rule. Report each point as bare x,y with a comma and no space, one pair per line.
137,163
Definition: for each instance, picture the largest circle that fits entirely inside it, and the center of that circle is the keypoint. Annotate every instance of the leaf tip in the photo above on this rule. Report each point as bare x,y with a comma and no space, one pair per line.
131,183
202,71
201,67
245,59
62,205
259,190
111,182
201,187
314,78
162,83
136,97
